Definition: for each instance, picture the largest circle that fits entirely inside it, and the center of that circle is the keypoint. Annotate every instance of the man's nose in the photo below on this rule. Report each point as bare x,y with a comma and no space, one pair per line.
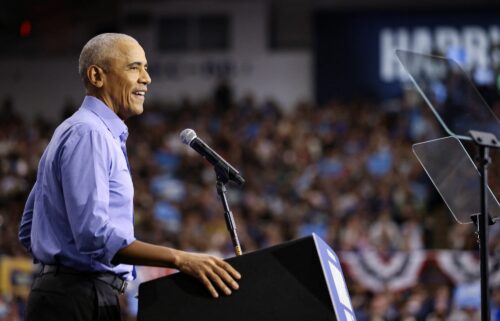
145,78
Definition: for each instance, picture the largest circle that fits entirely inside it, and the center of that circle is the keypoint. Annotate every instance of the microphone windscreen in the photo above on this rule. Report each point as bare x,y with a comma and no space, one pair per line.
187,136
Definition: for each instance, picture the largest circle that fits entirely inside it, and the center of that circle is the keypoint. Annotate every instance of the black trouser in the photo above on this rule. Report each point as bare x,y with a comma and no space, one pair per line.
72,297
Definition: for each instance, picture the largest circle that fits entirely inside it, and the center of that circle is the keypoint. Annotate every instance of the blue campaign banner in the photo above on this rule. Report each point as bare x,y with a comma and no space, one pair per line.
337,287
354,51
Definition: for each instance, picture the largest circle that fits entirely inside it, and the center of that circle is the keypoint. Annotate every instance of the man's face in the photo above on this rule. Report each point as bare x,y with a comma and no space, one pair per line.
126,79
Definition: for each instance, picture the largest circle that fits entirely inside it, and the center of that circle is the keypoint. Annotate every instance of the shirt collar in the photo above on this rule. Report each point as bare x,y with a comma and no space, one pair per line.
114,124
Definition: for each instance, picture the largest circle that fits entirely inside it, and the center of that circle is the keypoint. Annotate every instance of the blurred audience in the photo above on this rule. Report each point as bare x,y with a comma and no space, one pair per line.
344,171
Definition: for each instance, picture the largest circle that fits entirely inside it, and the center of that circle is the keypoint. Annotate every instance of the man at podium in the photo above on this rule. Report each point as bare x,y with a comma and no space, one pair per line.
78,219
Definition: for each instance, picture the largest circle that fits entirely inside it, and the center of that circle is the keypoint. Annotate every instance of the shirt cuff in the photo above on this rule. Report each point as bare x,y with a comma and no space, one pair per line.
114,244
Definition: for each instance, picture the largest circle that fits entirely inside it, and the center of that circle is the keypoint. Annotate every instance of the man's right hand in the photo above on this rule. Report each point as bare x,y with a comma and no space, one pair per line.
206,268
210,271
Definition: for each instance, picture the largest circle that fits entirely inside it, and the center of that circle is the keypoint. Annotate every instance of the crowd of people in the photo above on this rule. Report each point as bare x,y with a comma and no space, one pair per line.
344,171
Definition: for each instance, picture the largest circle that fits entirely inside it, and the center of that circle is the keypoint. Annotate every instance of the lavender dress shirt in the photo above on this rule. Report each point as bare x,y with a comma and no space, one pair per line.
80,211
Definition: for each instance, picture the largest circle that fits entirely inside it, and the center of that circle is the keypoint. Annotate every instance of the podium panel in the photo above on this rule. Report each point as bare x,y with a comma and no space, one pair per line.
299,280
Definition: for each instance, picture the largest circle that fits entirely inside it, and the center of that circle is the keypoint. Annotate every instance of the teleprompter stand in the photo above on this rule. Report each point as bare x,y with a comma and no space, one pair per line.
484,141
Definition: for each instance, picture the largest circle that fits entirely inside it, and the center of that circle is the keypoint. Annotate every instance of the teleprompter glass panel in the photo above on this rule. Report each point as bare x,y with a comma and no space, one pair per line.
450,94
456,177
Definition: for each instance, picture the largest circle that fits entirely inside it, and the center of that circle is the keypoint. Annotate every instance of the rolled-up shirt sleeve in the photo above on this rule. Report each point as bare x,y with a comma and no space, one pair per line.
85,172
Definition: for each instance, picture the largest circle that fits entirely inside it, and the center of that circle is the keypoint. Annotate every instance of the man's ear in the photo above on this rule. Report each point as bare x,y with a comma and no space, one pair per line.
96,76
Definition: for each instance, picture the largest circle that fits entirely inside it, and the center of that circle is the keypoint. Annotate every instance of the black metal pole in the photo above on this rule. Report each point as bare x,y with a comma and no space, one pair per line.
228,216
483,233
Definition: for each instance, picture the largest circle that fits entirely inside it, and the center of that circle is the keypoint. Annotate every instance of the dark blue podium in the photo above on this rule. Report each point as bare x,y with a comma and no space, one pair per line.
300,280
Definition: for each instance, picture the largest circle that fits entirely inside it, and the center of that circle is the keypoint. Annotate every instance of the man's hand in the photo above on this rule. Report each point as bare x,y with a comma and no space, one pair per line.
209,270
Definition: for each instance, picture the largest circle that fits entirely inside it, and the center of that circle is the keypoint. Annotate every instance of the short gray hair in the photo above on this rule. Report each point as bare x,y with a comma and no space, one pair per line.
98,50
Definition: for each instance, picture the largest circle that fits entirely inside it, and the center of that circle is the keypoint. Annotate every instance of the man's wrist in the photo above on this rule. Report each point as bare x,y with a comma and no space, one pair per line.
176,258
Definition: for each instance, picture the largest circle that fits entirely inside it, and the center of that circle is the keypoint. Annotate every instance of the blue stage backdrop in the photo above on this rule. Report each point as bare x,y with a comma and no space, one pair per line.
354,51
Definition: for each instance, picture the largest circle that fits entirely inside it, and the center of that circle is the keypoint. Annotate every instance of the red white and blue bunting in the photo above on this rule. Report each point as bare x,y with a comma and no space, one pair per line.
401,270
461,266
379,273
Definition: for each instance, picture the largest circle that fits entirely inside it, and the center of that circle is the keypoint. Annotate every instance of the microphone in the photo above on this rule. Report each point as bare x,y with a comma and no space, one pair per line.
223,168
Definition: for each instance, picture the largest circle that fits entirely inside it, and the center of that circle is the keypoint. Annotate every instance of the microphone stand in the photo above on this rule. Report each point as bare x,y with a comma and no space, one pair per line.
222,180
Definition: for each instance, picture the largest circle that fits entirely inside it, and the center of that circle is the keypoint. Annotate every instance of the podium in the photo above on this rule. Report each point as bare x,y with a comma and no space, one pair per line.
300,280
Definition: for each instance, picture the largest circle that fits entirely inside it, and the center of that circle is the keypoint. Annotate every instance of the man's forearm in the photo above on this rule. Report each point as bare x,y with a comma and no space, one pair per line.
142,253
211,271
